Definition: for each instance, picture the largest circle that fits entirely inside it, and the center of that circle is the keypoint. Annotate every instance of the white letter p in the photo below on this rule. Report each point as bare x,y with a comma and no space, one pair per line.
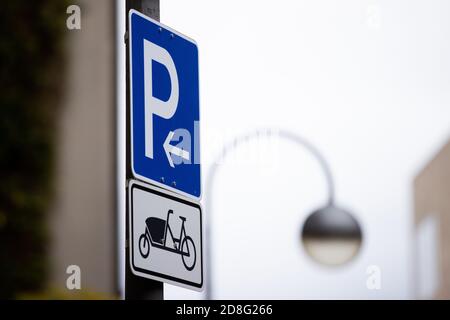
153,105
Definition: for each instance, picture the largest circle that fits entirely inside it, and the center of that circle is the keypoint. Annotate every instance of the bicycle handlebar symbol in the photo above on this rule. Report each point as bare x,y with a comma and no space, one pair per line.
155,234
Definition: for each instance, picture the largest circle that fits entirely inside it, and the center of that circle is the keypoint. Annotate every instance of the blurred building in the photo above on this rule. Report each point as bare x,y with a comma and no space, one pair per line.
83,217
432,228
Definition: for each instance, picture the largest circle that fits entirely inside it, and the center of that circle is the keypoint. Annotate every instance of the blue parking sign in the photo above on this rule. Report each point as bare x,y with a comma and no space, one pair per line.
164,115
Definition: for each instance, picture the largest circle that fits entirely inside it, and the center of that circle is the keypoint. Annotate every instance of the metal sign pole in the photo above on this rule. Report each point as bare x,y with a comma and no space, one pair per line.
136,287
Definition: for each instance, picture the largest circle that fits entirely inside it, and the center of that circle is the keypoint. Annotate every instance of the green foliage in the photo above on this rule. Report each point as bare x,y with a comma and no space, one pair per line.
55,294
31,51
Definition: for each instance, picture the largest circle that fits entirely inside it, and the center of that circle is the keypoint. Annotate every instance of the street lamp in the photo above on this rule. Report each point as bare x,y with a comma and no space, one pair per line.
330,235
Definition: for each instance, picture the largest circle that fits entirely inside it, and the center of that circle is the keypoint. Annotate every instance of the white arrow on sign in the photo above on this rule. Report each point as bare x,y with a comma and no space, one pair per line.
170,149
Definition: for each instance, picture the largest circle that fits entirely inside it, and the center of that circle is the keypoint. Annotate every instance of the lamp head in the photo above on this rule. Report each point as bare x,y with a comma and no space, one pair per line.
331,236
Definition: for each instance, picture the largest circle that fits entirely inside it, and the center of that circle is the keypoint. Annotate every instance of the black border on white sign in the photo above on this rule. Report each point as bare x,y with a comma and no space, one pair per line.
169,195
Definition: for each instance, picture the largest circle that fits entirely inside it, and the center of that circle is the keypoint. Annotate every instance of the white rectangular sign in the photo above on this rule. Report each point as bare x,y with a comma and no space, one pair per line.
165,236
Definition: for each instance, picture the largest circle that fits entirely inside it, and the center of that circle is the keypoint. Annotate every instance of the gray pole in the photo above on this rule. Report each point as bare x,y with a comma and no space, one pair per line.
137,287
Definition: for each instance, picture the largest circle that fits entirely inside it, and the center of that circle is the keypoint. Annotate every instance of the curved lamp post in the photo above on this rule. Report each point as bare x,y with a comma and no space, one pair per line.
330,234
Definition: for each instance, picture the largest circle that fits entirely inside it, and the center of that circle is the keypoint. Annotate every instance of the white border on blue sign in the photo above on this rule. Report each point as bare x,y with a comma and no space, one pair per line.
130,38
